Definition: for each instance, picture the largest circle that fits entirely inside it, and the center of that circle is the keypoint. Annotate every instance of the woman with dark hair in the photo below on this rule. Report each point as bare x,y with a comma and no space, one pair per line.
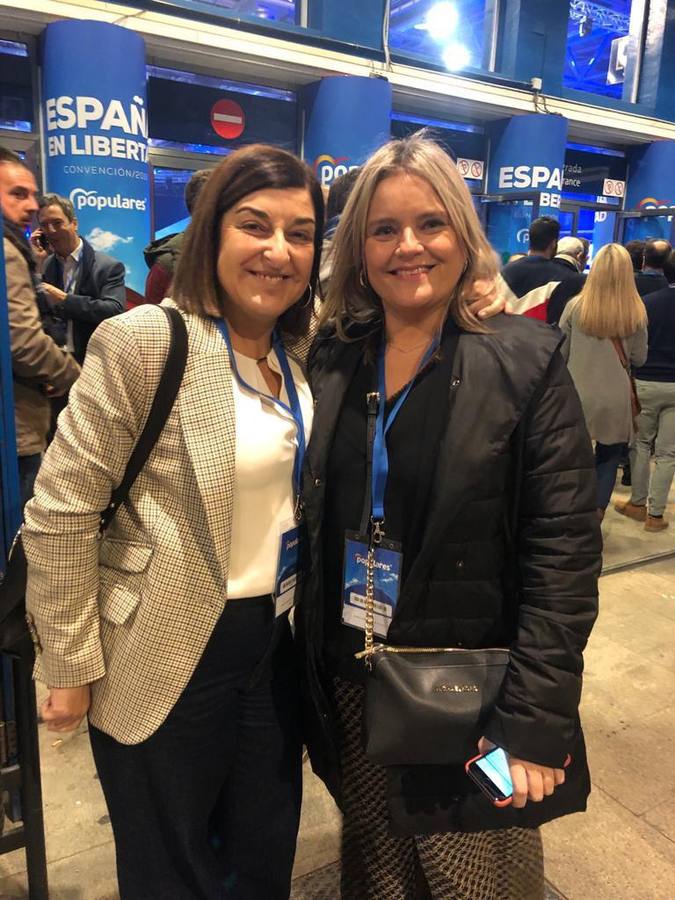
449,504
169,631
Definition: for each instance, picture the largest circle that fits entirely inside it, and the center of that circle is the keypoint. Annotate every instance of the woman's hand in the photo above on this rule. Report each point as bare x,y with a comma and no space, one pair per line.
486,300
530,780
64,708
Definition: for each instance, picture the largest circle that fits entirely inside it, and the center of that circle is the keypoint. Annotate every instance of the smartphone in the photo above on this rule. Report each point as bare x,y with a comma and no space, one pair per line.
491,773
41,240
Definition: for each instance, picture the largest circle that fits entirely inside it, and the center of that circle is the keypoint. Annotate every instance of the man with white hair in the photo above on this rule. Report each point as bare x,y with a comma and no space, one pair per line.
572,253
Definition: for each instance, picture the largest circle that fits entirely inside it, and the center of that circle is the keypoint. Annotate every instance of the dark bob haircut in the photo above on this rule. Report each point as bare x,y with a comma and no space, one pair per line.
254,168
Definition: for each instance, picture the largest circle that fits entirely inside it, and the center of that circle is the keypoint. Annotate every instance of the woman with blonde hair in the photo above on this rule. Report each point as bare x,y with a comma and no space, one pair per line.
606,334
459,449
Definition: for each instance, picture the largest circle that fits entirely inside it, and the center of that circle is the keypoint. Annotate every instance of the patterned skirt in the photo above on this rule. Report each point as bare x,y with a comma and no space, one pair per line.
505,864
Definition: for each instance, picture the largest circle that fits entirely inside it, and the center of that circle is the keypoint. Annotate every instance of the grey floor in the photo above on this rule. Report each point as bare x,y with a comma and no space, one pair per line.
623,848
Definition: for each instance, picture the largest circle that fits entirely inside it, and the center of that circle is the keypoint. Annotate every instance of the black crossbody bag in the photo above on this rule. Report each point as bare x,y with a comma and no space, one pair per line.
429,705
14,635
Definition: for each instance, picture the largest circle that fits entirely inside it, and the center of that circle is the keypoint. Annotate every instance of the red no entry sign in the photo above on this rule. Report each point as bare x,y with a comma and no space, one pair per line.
227,119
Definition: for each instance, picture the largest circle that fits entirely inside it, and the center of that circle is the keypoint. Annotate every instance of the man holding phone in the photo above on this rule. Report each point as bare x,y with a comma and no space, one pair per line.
83,285
40,368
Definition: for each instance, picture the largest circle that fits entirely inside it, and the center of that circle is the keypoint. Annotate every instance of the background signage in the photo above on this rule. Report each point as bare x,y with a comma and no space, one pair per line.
214,116
346,120
527,156
95,133
590,175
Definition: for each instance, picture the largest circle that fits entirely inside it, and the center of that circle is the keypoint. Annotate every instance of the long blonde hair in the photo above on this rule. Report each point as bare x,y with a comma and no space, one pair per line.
609,304
350,298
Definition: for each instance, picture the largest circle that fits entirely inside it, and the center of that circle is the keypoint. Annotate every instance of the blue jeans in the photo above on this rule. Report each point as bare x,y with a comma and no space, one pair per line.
607,459
28,469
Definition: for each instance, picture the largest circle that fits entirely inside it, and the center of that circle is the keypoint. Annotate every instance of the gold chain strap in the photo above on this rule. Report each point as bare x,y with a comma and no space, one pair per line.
370,604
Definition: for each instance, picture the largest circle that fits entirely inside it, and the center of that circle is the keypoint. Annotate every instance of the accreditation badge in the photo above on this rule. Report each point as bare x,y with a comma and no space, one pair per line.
290,565
386,582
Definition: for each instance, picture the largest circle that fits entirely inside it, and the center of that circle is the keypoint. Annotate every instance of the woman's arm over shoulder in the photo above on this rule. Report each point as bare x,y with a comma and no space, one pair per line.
559,556
84,463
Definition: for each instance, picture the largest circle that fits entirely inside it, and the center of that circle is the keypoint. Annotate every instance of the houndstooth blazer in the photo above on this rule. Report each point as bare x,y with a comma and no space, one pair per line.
132,613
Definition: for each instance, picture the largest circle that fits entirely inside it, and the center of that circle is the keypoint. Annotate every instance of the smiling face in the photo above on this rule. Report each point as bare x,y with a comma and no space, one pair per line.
59,230
266,254
413,258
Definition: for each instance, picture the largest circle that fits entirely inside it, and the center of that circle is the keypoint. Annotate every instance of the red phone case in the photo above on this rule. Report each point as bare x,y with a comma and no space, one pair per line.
499,803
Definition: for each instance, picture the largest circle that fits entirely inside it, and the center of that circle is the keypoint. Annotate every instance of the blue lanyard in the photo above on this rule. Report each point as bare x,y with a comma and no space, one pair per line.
380,452
294,410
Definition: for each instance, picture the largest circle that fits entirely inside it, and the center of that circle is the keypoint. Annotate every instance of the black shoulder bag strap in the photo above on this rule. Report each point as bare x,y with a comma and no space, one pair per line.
162,404
14,636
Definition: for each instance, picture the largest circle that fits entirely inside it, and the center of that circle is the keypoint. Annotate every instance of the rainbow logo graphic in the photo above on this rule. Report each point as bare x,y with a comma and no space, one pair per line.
327,168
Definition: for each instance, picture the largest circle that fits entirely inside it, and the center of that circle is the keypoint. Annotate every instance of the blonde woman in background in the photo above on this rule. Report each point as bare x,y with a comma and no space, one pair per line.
456,396
607,315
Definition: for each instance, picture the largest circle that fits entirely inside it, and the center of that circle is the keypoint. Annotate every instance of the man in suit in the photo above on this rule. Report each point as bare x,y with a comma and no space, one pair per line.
537,286
40,369
83,285
651,278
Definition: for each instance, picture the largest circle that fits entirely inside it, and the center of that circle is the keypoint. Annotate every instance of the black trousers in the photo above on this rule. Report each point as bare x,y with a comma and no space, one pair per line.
208,807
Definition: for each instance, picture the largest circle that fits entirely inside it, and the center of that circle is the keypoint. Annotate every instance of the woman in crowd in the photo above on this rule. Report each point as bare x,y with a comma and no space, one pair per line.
460,398
606,334
655,383
166,631
192,701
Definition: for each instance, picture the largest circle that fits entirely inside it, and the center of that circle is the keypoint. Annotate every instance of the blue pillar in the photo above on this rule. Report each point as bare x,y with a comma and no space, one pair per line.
650,182
95,132
346,119
527,155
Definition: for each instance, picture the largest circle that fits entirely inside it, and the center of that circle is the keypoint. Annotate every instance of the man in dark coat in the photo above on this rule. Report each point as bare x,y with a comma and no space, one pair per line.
83,285
651,278
536,286
162,255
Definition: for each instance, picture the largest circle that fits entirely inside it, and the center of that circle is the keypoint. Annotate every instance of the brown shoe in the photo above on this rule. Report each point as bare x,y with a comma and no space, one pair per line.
655,523
639,513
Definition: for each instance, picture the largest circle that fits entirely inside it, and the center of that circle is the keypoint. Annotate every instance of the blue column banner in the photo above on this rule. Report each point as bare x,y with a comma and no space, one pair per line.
650,183
527,155
346,119
95,131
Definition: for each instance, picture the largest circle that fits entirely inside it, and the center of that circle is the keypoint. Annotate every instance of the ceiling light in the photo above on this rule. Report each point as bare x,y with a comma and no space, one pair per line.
456,56
441,21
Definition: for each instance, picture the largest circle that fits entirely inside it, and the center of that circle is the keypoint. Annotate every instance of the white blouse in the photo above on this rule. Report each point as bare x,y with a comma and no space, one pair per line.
266,444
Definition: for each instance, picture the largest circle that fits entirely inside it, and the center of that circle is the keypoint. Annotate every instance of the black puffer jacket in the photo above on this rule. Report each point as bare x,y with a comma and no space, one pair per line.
513,378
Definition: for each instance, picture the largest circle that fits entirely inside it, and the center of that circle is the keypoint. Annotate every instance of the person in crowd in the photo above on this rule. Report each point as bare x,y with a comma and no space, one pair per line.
40,368
536,286
571,254
606,333
84,286
338,195
396,328
165,631
651,278
655,381
636,251
162,255
515,257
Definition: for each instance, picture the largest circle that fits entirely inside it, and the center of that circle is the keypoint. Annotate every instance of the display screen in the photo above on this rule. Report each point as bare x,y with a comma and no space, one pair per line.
495,765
